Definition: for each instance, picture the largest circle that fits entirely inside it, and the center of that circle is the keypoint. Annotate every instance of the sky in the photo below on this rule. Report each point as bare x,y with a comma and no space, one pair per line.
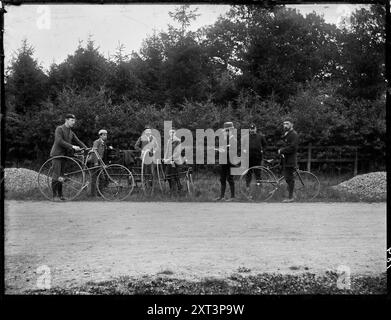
55,30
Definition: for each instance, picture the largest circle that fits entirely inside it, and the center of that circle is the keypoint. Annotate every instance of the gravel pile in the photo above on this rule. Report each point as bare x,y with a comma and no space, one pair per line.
371,186
20,180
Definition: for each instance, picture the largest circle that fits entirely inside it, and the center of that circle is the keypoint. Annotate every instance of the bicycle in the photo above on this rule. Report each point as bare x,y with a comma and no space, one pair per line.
113,182
265,185
184,176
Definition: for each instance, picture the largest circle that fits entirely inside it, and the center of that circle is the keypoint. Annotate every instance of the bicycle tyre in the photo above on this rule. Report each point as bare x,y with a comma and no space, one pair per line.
260,189
307,186
115,182
73,178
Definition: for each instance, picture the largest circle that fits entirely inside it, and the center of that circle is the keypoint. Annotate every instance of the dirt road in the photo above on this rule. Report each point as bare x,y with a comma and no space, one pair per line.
93,241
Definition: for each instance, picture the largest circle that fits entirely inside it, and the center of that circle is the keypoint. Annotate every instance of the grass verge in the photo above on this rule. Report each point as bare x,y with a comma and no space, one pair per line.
207,188
263,284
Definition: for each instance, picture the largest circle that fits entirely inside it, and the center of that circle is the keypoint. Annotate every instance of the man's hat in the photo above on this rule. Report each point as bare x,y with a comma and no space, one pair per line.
228,125
287,119
70,116
101,131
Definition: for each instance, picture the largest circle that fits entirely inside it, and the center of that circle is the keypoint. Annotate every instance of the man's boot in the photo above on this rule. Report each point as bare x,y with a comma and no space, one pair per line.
222,192
290,192
232,189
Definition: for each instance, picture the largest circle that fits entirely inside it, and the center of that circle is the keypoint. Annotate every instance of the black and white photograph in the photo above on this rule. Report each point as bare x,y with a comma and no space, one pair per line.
194,149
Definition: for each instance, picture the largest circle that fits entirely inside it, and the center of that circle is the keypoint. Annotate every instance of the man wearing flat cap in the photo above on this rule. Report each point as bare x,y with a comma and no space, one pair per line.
225,168
289,151
100,147
63,138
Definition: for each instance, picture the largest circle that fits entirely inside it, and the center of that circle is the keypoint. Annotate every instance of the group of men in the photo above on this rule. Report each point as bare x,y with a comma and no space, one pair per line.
256,146
64,137
172,159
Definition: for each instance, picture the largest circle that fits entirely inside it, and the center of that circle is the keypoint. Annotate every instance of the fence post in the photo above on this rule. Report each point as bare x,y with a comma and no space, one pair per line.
309,157
355,162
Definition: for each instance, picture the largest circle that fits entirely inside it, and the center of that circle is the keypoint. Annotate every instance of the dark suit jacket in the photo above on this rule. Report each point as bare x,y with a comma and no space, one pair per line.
63,138
291,144
256,145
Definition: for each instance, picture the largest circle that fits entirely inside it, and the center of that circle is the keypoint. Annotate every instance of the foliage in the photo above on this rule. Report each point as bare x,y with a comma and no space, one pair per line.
253,64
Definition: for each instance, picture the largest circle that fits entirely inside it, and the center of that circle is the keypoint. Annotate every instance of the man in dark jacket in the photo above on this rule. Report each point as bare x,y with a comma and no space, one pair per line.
225,168
256,145
289,152
62,146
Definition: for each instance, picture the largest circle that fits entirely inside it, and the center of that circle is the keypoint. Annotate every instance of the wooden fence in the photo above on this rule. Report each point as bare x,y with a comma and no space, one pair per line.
311,154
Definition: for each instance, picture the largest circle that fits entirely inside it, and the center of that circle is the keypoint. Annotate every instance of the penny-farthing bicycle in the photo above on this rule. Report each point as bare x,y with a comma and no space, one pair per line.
113,182
260,183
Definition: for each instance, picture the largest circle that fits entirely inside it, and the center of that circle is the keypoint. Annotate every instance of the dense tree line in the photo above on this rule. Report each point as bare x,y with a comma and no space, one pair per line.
252,65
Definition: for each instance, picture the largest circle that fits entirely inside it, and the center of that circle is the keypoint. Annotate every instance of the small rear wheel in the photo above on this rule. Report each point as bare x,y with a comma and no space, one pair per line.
115,182
307,186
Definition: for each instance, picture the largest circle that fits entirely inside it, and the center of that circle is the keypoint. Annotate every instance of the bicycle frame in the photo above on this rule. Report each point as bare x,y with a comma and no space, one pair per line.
280,179
84,161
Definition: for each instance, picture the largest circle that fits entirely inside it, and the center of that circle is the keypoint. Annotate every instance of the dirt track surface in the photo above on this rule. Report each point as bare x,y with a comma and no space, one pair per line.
95,241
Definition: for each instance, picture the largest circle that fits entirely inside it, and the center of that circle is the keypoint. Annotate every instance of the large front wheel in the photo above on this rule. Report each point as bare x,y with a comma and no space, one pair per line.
115,182
307,186
64,173
258,184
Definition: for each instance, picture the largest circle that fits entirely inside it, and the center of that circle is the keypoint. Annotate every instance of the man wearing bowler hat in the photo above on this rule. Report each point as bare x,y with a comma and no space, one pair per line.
225,168
63,138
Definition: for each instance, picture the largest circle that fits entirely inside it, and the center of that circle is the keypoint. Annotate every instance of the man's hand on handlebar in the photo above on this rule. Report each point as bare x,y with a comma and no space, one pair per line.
76,148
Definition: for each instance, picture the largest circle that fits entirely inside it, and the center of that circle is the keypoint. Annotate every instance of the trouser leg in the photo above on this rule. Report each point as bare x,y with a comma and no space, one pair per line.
57,172
59,187
94,174
149,172
223,179
257,173
288,173
231,184
170,176
54,188
248,177
178,181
